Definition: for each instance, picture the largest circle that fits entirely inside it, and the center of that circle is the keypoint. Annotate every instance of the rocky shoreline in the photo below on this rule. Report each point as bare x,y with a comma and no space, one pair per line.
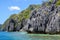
46,19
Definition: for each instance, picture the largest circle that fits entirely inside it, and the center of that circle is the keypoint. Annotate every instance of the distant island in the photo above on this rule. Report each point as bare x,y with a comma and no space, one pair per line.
44,18
0,26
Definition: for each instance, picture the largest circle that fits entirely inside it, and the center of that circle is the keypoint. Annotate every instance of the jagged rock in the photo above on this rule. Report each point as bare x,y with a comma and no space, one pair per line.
10,26
54,1
18,27
23,25
54,25
46,19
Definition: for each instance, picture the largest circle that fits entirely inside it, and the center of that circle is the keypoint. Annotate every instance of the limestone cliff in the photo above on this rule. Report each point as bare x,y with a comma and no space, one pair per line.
42,19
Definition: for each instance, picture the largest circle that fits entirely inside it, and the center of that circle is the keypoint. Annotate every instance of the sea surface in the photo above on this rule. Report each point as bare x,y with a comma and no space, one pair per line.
25,36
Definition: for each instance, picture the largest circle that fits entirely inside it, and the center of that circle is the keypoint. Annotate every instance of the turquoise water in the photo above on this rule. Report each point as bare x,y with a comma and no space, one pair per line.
25,36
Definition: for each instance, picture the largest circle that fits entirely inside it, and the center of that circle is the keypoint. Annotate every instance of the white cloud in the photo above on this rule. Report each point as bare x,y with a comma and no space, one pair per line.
11,8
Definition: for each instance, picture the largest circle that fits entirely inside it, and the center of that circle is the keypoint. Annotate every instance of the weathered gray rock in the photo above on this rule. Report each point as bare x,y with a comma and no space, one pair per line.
10,26
54,1
18,27
46,19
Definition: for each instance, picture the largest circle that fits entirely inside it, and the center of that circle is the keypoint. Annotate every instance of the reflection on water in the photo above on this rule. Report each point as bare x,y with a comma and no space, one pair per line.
25,36
44,37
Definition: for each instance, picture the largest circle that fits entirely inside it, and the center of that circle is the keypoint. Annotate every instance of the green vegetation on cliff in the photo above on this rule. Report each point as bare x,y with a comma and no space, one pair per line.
24,14
58,2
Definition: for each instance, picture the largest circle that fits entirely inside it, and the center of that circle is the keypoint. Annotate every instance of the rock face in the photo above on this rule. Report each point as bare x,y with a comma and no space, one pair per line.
10,26
46,19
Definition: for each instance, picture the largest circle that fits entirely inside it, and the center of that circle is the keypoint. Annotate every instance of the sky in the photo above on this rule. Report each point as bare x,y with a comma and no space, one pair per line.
9,7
